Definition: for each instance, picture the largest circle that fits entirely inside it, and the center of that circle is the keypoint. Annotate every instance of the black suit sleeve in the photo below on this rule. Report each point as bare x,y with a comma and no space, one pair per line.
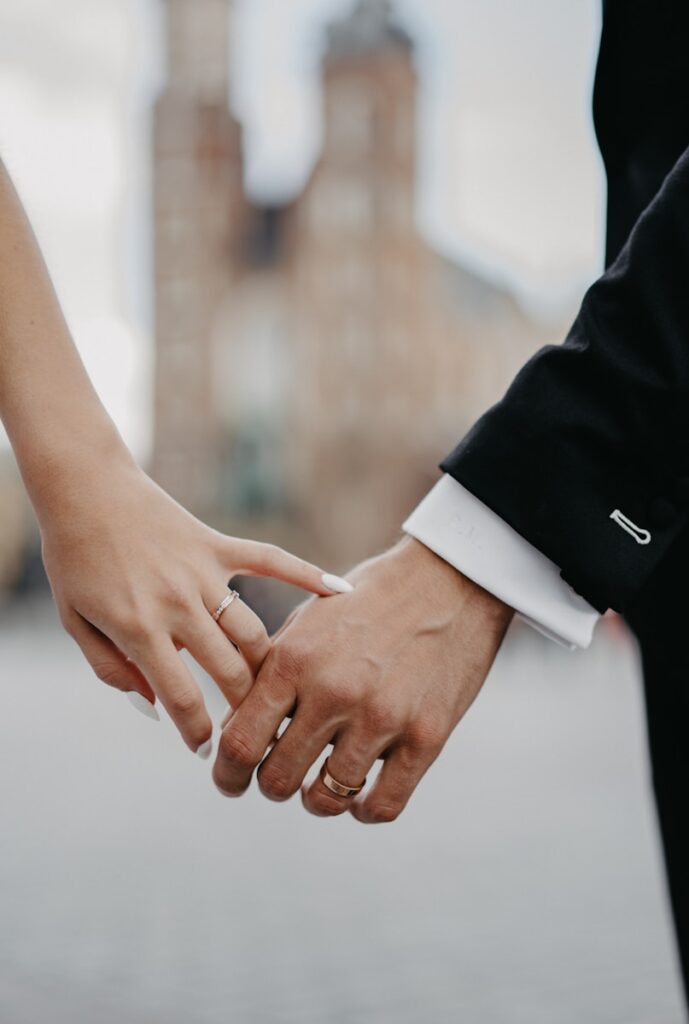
601,422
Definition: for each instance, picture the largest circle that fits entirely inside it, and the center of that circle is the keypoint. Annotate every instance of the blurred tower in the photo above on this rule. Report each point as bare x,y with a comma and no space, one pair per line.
370,111
197,202
313,360
363,296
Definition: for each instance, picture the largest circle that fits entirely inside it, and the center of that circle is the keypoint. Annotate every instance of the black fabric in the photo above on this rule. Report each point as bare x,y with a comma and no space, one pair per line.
602,422
659,619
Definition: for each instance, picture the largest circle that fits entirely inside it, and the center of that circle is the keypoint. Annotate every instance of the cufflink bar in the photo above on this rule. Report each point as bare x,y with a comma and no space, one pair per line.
640,535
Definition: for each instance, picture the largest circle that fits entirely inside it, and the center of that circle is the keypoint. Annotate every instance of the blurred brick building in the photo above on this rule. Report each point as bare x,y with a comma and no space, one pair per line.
313,361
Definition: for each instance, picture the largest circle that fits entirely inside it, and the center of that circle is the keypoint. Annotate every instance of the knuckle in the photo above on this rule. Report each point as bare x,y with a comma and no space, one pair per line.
426,736
381,718
323,804
227,786
331,696
238,748
136,631
107,671
184,703
266,555
232,672
276,783
288,662
383,813
177,595
256,636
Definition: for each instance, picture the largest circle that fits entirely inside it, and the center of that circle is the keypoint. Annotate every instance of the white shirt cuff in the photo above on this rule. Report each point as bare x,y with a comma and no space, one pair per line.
459,528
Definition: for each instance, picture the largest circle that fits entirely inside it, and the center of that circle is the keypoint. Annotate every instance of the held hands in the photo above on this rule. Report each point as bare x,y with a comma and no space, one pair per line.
386,671
136,578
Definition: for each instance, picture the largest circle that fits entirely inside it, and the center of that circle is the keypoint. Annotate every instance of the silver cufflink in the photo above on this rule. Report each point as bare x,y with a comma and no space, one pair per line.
640,535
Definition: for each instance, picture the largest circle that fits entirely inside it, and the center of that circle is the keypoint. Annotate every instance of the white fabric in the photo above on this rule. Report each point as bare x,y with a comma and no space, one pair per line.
454,524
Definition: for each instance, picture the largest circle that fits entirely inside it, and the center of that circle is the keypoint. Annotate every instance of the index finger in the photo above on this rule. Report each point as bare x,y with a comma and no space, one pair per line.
253,558
251,730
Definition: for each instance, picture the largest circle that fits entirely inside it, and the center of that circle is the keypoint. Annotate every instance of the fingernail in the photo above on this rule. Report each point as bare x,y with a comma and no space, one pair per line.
336,584
143,705
204,751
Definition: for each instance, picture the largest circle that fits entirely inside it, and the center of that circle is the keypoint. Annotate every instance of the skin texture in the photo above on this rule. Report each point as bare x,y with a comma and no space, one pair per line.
133,574
384,672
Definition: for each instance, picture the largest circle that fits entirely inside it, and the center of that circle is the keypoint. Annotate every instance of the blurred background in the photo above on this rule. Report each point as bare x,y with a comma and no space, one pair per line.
302,244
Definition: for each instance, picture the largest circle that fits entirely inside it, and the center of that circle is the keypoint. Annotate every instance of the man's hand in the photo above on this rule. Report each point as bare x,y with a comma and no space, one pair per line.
386,671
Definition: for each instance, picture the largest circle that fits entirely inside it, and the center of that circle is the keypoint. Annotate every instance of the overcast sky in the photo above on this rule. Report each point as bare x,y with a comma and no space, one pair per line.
509,177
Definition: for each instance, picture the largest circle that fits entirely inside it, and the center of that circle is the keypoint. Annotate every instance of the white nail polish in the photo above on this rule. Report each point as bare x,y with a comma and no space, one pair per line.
336,584
204,751
144,706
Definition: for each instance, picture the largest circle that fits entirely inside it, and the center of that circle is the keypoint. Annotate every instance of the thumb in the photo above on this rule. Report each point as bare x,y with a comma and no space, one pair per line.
252,558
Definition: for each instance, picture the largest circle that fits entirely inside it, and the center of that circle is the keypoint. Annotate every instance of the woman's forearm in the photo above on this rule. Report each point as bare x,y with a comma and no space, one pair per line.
48,405
135,577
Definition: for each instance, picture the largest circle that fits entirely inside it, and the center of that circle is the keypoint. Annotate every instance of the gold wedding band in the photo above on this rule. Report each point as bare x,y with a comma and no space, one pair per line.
224,604
336,787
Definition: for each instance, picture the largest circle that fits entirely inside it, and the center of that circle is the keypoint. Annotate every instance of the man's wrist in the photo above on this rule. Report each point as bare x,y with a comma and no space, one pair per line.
433,574
458,527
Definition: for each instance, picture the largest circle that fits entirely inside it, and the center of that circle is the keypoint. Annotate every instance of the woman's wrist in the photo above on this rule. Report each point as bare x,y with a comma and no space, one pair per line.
57,472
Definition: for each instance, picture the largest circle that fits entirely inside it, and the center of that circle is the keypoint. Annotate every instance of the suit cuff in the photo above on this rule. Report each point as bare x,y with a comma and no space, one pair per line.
463,531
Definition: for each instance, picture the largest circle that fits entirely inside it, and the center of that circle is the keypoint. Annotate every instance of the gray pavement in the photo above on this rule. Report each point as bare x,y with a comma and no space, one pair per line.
522,886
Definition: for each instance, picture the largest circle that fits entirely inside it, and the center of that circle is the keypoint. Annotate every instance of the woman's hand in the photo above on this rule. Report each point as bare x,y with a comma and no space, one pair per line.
136,578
